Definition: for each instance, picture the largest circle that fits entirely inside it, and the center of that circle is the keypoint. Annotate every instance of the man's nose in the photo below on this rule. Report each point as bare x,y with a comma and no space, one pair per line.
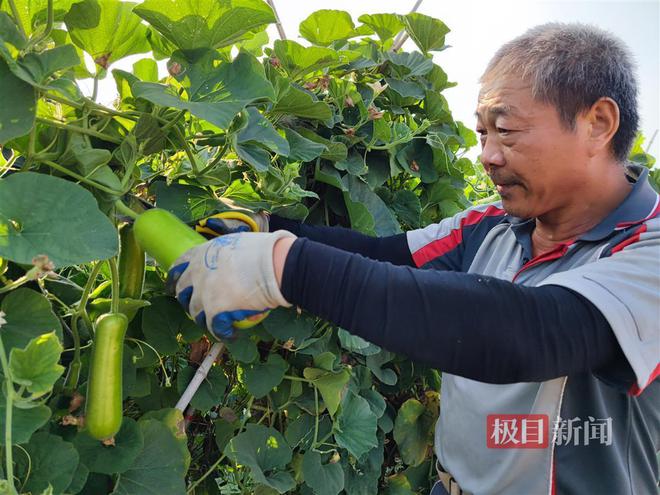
491,154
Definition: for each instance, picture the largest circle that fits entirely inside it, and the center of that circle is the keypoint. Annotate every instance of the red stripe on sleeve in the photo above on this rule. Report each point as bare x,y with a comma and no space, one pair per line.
441,246
635,390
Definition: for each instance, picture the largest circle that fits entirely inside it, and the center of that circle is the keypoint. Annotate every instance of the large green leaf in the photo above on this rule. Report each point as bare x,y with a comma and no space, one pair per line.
24,421
355,426
159,468
210,392
65,223
361,477
173,419
297,102
427,33
324,479
417,159
266,453
197,25
106,29
386,26
298,60
36,367
285,324
413,431
260,130
189,203
367,211
33,13
19,111
28,315
303,149
10,33
261,378
325,26
111,459
410,64
331,385
219,113
163,321
52,461
375,363
35,68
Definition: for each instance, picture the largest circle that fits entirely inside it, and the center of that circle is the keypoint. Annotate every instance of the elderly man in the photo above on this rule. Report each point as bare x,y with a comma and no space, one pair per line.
542,310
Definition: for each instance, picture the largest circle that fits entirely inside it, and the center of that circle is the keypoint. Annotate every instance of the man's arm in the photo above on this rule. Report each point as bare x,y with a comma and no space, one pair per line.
393,249
474,326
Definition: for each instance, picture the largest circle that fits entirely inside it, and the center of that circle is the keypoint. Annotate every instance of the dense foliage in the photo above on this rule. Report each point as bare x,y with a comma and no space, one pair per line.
340,131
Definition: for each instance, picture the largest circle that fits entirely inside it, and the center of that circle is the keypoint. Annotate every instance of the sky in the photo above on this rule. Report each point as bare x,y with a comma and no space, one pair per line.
479,27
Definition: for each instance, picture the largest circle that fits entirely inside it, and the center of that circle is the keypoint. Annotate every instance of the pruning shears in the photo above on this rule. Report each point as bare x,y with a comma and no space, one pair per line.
206,225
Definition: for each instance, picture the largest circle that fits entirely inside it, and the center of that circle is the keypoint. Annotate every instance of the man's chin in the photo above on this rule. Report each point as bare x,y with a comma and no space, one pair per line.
516,208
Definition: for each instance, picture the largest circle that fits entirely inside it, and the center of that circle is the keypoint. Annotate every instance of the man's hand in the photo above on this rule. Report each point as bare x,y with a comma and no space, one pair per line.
228,279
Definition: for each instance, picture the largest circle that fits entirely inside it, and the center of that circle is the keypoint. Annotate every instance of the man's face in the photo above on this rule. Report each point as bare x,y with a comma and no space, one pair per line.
537,164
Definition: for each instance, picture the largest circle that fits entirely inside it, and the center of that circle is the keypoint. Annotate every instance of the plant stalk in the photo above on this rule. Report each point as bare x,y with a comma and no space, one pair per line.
9,405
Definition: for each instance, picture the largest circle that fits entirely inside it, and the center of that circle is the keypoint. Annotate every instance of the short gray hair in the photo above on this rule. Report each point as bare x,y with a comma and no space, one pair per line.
571,66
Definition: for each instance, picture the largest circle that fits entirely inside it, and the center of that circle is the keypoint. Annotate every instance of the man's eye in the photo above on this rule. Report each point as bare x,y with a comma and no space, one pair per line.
502,130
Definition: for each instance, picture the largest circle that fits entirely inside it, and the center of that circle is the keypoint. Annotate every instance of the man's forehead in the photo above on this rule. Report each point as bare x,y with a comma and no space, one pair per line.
508,97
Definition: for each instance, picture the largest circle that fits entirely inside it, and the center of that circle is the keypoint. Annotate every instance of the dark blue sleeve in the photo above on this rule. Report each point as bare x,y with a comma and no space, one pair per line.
469,325
393,248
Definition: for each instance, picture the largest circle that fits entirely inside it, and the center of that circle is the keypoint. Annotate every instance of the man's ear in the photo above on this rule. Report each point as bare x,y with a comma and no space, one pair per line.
603,122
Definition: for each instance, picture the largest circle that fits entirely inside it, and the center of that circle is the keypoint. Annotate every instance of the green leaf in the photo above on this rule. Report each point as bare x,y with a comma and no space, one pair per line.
266,453
189,203
407,207
32,13
204,24
413,431
298,60
375,363
79,479
406,88
253,155
427,33
285,324
52,461
173,419
325,26
35,68
357,344
261,378
36,367
65,224
163,321
106,29
19,111
331,385
329,175
219,113
241,347
297,102
386,26
410,64
24,421
223,431
210,392
355,426
361,477
159,468
324,479
417,159
9,32
301,148
335,151
111,459
260,130
28,315
367,211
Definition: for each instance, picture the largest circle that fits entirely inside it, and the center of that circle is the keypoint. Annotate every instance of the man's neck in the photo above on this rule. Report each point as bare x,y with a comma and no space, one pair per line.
575,219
